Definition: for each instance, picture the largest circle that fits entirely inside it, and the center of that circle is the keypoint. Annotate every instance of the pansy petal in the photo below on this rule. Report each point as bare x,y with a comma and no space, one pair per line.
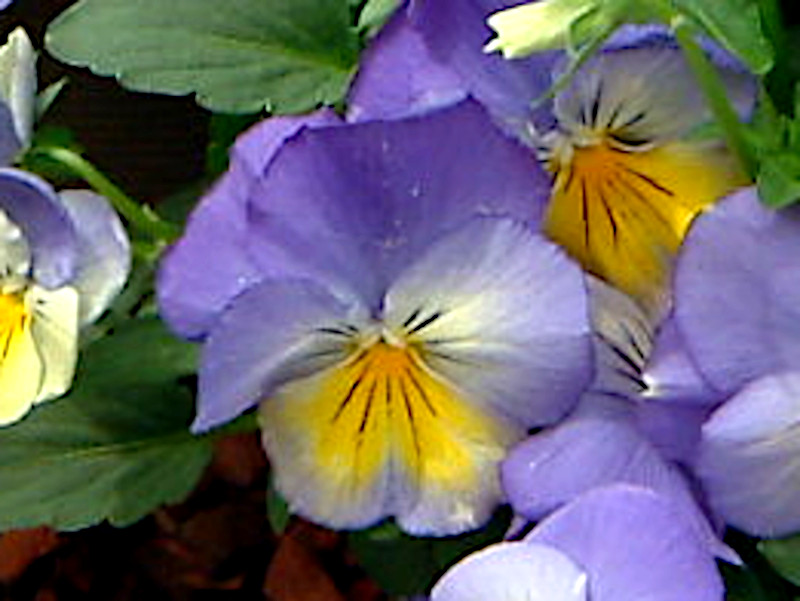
511,572
55,334
32,204
268,334
18,82
554,467
503,313
673,428
455,31
623,338
255,148
379,435
640,94
354,205
737,291
104,253
622,214
750,457
9,144
20,365
397,76
634,544
209,265
671,373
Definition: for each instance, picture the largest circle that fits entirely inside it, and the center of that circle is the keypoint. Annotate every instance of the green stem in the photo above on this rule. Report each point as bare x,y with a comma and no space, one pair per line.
717,96
138,216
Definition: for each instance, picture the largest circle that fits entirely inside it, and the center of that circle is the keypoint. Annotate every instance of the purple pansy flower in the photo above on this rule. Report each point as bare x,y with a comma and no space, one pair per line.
63,257
735,348
386,301
618,543
627,180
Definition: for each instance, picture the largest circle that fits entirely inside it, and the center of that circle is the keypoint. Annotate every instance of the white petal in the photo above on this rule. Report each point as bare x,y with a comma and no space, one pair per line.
18,81
623,337
502,313
643,94
15,254
55,334
104,254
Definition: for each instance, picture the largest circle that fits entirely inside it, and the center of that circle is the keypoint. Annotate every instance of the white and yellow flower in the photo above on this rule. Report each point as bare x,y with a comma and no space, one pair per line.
62,259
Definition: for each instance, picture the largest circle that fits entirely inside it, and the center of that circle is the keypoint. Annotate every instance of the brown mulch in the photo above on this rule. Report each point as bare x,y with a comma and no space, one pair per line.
215,545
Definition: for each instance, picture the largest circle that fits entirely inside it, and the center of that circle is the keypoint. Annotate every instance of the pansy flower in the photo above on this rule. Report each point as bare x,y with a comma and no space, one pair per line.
617,543
400,324
628,170
63,257
735,349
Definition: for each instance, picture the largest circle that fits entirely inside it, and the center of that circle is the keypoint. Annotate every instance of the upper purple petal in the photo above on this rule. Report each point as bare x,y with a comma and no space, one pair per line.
737,291
634,544
455,31
32,204
209,265
397,76
354,205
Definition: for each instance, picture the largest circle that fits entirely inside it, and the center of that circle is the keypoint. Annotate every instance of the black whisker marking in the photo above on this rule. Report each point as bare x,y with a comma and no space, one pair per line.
410,413
585,208
421,392
412,317
425,322
596,103
609,213
365,418
647,179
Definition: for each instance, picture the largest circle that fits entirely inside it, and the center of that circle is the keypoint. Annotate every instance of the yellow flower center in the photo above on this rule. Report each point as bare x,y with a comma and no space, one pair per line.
381,411
622,212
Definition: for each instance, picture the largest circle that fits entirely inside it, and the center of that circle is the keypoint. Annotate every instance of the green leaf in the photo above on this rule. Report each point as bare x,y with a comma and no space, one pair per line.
736,24
278,513
404,565
116,447
239,56
779,180
784,555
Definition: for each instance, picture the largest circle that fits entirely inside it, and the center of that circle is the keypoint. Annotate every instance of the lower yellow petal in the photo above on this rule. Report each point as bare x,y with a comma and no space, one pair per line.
380,435
20,364
623,214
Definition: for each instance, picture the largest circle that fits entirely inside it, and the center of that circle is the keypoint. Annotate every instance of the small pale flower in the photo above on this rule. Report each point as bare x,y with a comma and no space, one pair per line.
17,93
399,322
62,259
544,25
